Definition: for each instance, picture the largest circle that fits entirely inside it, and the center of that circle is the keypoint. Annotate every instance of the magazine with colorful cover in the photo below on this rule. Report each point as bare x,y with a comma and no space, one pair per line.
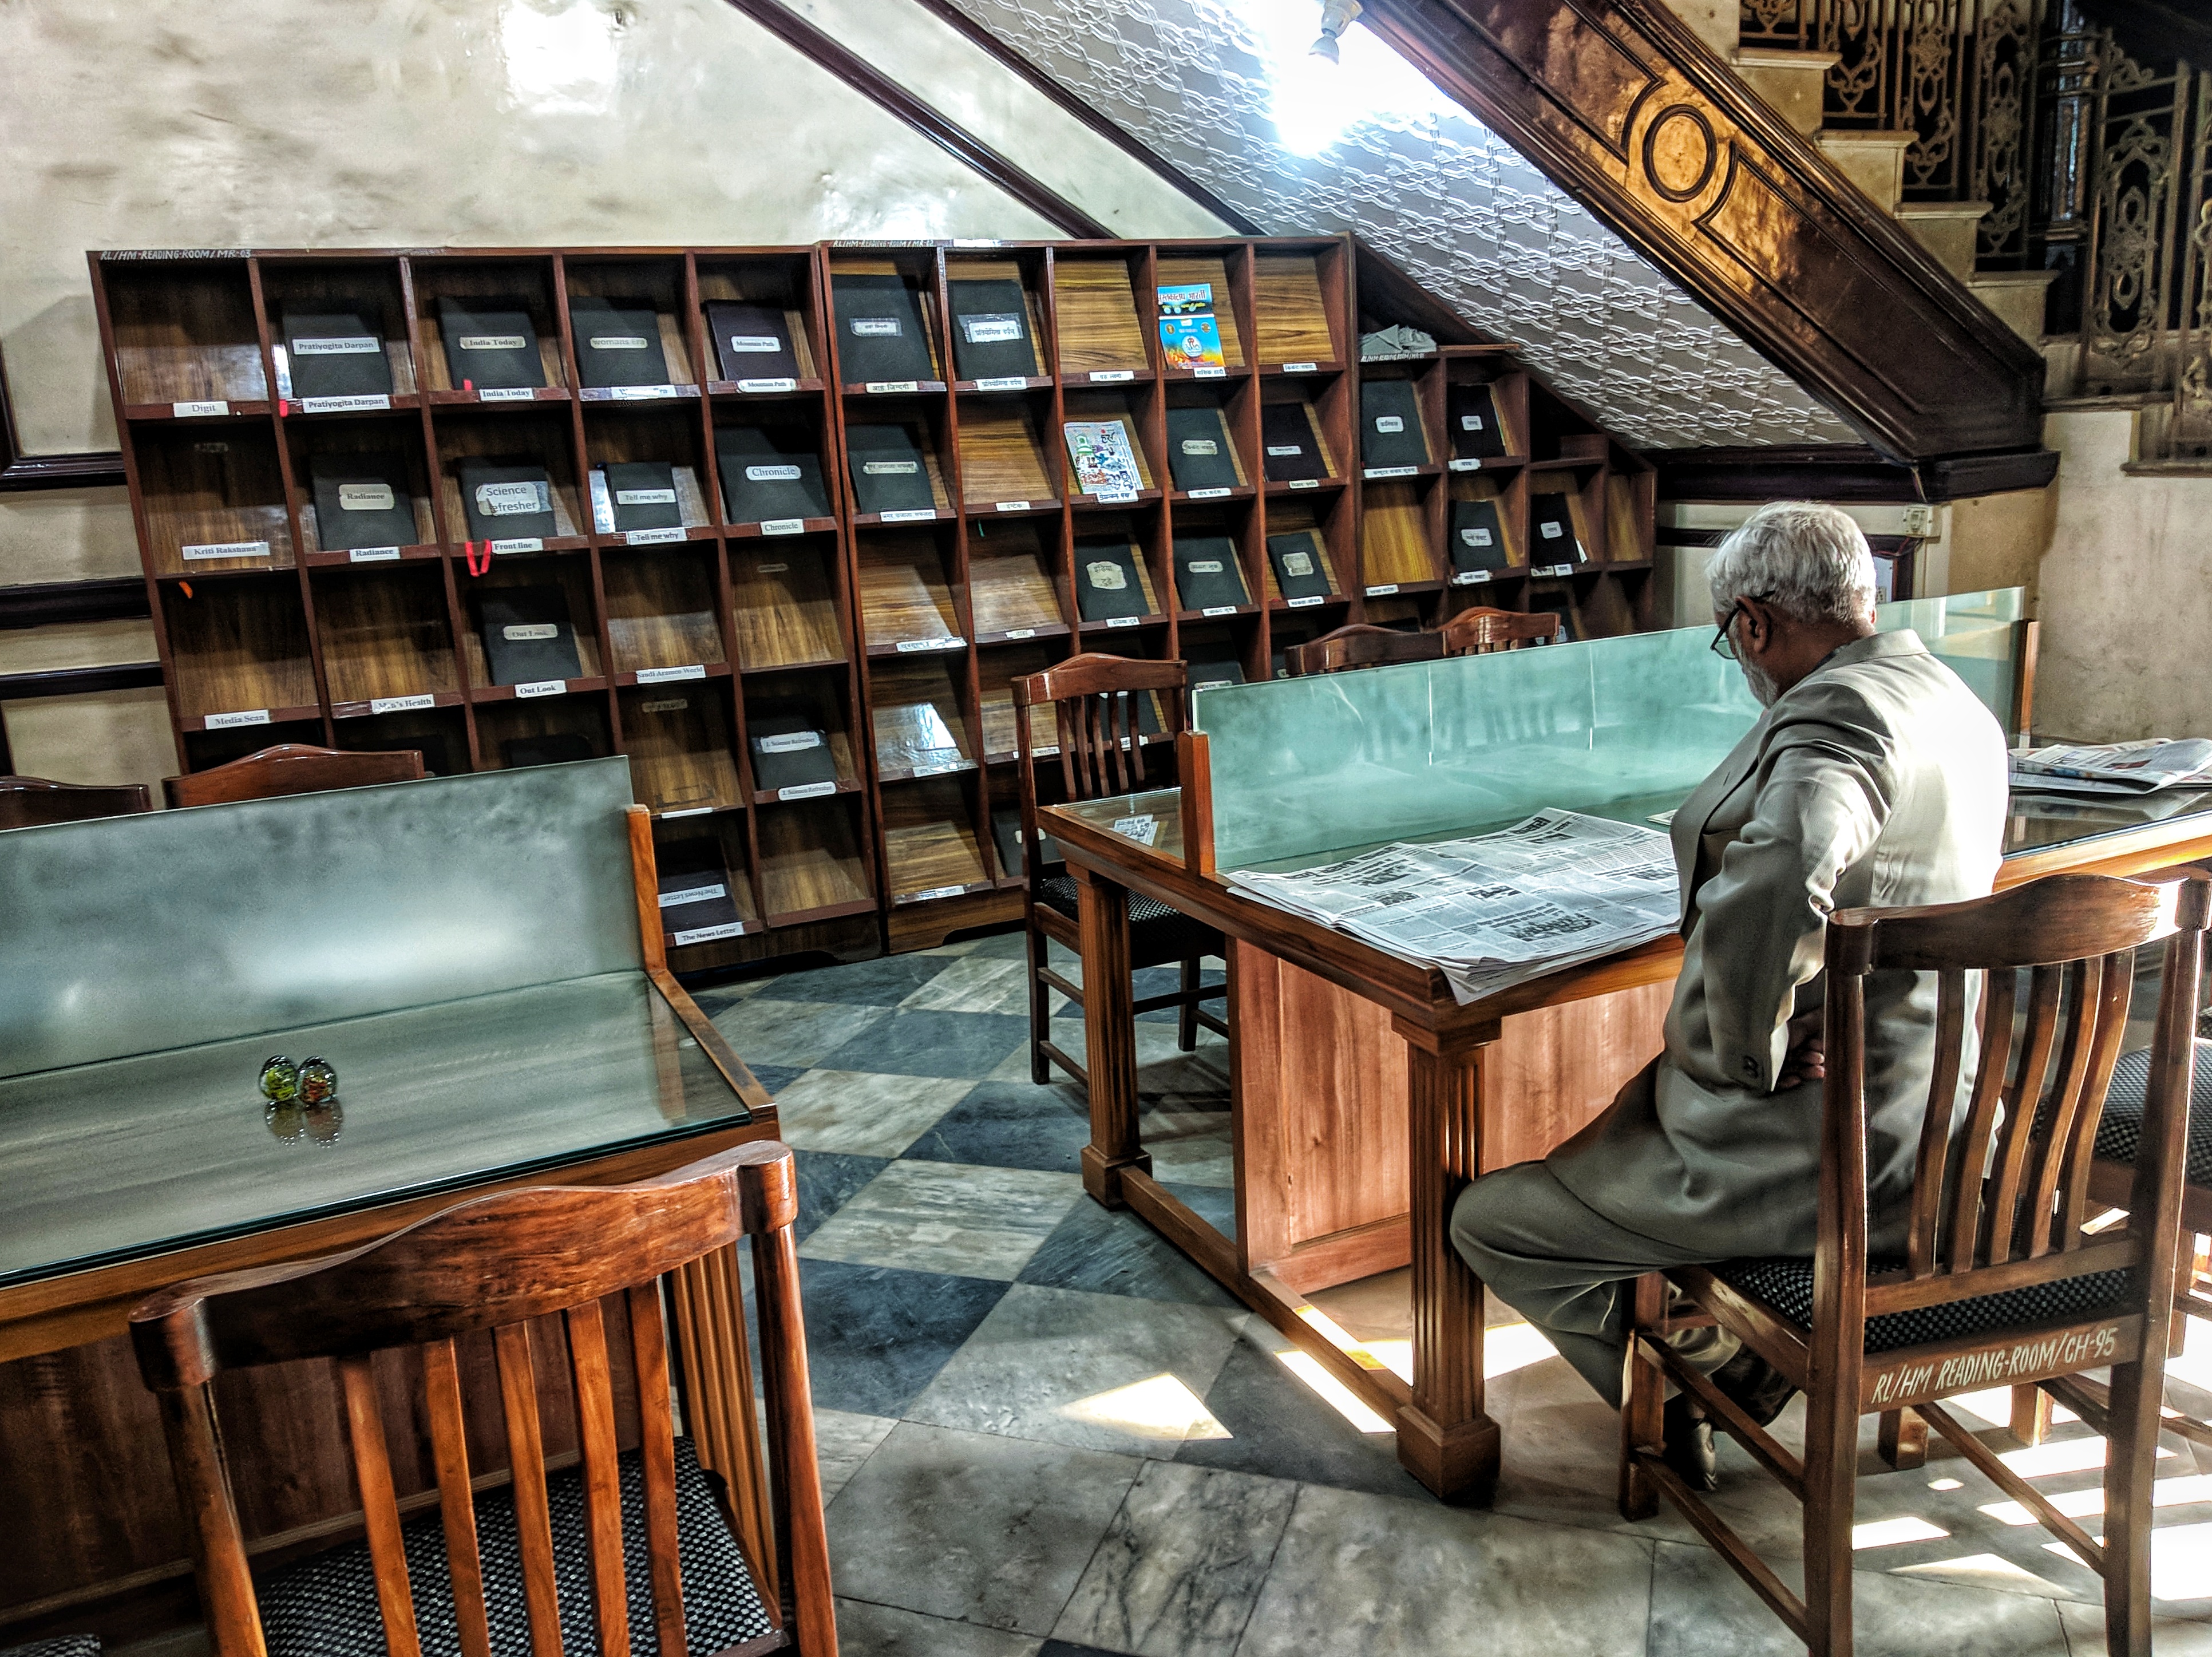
1104,461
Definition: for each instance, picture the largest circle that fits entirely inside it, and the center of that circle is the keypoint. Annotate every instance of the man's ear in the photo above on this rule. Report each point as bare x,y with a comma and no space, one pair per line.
1758,623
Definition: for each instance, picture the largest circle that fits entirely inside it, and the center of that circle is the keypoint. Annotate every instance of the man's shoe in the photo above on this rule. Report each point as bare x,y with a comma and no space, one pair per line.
1688,1439
1754,1386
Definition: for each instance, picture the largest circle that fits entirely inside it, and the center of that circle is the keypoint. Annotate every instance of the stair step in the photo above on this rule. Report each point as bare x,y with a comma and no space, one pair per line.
1875,161
2017,297
1945,229
1791,83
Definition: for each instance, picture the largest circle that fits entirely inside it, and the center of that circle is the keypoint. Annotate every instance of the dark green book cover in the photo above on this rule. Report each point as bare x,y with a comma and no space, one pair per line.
888,474
335,354
1106,584
644,495
1289,450
617,341
1390,425
1300,572
991,337
790,749
1552,532
1206,575
361,501
1478,537
1199,453
507,500
1211,665
527,635
1475,432
770,472
491,343
880,335
693,876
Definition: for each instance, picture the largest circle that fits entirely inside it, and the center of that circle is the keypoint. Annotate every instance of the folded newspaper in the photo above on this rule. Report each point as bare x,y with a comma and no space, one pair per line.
1498,909
2121,767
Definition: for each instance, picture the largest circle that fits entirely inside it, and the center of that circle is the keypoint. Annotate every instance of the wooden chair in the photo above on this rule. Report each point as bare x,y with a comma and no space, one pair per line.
291,767
1094,700
28,802
1999,1282
556,1546
1479,632
1361,646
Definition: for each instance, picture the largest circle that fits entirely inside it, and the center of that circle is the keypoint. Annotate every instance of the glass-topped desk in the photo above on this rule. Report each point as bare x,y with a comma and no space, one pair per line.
1364,1096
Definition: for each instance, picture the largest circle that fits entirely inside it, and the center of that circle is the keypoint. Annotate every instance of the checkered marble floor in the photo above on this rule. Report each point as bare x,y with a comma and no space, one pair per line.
1045,1433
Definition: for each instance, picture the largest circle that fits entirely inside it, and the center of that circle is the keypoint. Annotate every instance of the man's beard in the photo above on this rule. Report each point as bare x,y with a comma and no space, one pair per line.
1761,683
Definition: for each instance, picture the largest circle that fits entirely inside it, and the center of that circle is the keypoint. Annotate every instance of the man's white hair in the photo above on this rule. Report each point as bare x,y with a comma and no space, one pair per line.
1808,559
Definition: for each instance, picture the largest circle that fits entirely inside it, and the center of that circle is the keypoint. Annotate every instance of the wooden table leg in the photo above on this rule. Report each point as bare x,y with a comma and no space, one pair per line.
1444,1438
1109,1037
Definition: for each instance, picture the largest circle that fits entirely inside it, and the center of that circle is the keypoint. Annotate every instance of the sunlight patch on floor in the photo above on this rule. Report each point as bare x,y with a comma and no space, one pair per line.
1160,1407
1338,1396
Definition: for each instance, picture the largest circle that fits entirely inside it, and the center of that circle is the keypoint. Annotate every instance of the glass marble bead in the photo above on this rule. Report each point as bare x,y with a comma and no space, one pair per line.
280,1079
317,1081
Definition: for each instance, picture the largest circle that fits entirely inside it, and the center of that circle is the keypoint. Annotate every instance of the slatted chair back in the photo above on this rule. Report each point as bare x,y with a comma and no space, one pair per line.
1361,644
28,802
1481,631
291,767
494,1264
1097,704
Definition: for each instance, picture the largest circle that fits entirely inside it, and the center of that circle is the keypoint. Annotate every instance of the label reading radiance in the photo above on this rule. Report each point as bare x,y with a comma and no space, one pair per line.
781,526
651,538
879,386
1143,830
1392,471
1111,376
401,704
1209,494
228,721
362,403
908,646
507,393
226,550
806,791
666,675
768,384
364,497
198,411
1001,383
693,895
706,934
530,687
373,555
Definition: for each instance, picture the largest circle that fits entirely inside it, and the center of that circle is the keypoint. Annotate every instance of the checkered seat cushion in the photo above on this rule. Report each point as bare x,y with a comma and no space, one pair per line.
1157,933
70,1644
325,1606
2119,1131
1785,1285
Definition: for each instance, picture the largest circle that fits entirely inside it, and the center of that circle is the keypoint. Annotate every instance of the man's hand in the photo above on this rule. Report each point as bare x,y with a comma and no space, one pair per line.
1808,1058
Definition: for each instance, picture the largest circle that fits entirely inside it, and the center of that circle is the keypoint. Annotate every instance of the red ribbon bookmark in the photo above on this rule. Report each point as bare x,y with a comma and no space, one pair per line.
469,551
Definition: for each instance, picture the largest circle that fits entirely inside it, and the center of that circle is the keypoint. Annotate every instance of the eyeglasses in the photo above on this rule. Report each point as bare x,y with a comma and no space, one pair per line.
1723,645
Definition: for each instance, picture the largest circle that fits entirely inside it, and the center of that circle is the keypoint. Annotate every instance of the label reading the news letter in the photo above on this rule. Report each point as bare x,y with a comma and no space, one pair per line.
879,386
1209,371
1382,591
1111,376
373,555
1304,604
362,402
1001,383
1209,494
806,791
541,687
1143,830
1301,367
693,895
915,515
1219,610
519,543
1013,505
707,934
768,384
1468,578
226,550
1123,620
226,721
1392,471
401,704
198,411
1473,464
782,525
667,675
507,393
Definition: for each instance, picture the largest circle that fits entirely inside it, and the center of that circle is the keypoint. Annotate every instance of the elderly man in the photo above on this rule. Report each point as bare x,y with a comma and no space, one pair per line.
1873,778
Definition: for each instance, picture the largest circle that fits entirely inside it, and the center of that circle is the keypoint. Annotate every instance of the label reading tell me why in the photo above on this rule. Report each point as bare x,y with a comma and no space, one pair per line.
668,675
705,934
647,497
783,526
225,549
198,411
651,538
401,704
806,791
244,716
373,555
693,895
530,687
768,384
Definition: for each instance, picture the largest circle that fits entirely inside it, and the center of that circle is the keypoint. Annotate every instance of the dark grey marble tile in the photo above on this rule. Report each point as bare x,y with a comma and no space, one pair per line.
1166,980
1359,1573
774,1078
867,1630
826,1178
1278,1427
877,1336
1111,1252
1214,1204
1180,1567
1063,1649
951,1044
1012,1125
884,982
973,1526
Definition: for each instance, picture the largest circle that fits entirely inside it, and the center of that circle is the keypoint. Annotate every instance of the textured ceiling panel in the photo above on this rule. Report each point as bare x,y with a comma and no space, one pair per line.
1201,83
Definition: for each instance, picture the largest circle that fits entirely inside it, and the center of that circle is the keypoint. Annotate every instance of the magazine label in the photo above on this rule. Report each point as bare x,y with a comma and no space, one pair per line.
668,675
806,791
693,895
361,403
365,497
651,538
785,385
781,526
229,721
530,687
201,410
373,555
225,549
401,704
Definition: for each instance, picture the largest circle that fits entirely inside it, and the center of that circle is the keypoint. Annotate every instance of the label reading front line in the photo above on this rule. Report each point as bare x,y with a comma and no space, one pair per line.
518,543
231,721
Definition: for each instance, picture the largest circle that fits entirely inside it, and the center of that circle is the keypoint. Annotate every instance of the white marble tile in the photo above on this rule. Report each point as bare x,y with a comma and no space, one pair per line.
980,984
766,1029
867,1630
1193,1147
2170,1636
1182,1565
945,1217
1358,1572
973,1527
1105,1372
842,1441
862,1113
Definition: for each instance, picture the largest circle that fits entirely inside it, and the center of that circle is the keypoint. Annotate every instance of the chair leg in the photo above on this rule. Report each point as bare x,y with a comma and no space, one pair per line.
1831,1496
1903,1442
1040,1008
1642,1401
1187,1015
2131,1454
2031,1415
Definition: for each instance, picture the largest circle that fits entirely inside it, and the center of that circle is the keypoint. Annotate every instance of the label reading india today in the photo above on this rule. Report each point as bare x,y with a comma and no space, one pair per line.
401,704
530,687
693,895
365,497
806,791
507,393
510,500
373,555
231,721
669,675
767,475
491,342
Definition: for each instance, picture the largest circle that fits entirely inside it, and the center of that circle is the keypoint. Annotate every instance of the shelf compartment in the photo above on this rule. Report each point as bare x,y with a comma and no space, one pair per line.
385,635
1001,456
543,438
440,735
756,452
1492,393
1012,585
784,602
660,608
1116,545
703,862
1095,317
1508,503
930,846
386,451
885,443
1394,536
326,300
1226,533
1630,502
1206,440
997,671
647,436
473,285
877,302
1567,520
906,593
1290,319
1188,270
995,319
811,860
1292,419
779,716
548,732
1328,523
205,490
610,300
678,738
917,719
240,647
781,284
205,749
568,578
183,331
1093,408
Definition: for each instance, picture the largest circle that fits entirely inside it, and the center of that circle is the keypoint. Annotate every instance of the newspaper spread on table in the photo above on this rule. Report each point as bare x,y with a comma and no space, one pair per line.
2122,768
1496,910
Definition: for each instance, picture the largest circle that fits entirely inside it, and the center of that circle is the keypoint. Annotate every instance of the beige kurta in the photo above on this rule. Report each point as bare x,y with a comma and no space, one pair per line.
1878,779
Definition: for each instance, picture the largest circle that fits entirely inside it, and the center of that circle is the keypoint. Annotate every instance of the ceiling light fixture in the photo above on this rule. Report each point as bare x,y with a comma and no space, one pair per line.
1336,17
